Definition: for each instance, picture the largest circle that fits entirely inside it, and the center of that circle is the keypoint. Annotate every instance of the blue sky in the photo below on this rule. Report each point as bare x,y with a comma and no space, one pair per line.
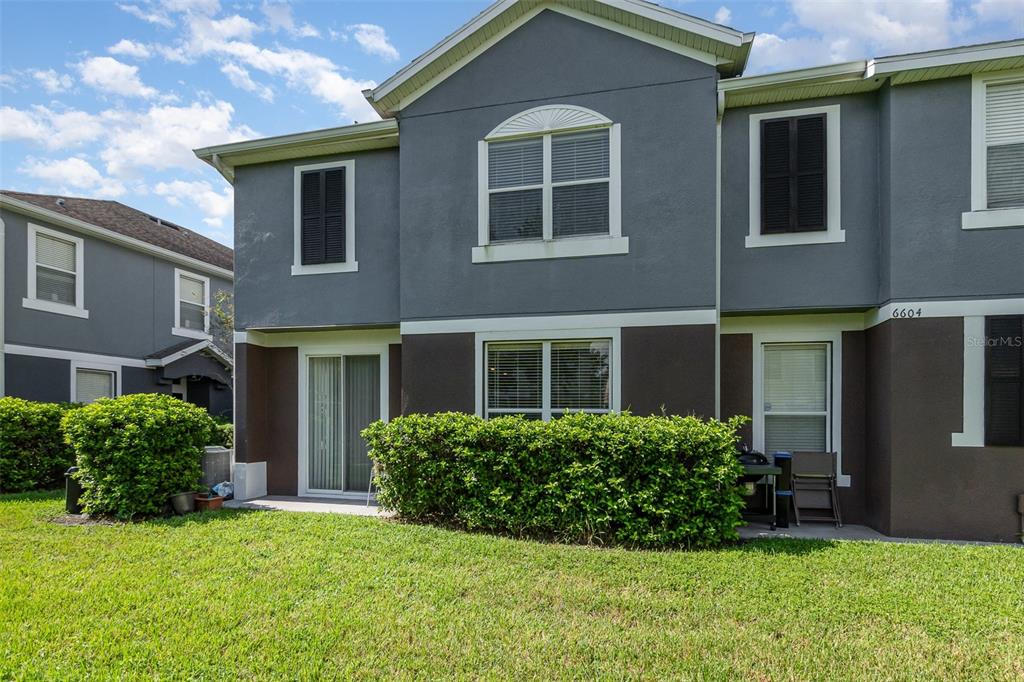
107,99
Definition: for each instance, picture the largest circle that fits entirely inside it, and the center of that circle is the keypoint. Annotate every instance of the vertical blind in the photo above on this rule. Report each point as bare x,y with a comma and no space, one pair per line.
324,443
322,217
1004,141
579,184
56,265
362,406
576,373
1004,380
93,384
192,303
793,187
796,402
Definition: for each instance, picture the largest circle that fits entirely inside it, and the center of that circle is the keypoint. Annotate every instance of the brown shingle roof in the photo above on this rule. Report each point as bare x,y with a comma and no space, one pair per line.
131,222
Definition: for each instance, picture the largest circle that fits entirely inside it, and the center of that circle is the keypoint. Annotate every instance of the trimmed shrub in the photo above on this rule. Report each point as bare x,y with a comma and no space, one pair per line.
222,434
33,454
649,482
135,451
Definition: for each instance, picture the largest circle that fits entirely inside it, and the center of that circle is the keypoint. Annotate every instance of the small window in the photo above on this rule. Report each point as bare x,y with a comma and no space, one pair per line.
324,217
793,188
55,272
1004,144
1004,380
93,384
544,379
192,304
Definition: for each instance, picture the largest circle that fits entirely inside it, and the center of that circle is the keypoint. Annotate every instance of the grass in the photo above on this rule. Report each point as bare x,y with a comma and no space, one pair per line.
277,595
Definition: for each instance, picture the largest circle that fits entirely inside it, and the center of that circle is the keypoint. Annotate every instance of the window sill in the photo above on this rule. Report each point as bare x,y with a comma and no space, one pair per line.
574,247
754,241
325,268
994,218
189,333
51,307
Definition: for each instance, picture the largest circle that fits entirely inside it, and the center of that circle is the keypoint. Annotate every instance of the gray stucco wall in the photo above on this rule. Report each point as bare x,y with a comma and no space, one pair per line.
812,276
266,293
930,256
665,104
129,296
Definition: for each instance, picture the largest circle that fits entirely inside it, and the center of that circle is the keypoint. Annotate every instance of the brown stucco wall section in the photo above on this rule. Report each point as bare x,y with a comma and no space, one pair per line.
854,416
670,367
878,431
438,373
737,362
266,417
938,490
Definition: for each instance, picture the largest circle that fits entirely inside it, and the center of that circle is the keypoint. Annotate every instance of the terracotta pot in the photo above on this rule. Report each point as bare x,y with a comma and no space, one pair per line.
204,503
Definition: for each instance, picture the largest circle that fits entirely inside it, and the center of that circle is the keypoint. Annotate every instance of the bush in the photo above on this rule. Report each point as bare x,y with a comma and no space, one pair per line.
222,433
135,451
638,481
33,454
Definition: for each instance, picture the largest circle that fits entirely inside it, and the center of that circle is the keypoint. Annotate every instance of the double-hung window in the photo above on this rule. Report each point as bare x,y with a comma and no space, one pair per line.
324,231
93,384
550,187
544,379
997,163
191,305
55,281
1004,380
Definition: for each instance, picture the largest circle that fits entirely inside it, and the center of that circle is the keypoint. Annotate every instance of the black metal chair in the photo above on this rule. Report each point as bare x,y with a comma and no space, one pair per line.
814,476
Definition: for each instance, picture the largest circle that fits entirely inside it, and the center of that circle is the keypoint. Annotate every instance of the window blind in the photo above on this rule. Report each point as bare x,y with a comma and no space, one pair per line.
579,375
1004,142
796,402
514,378
322,219
1004,380
56,264
516,214
92,384
516,163
580,209
326,427
192,303
793,174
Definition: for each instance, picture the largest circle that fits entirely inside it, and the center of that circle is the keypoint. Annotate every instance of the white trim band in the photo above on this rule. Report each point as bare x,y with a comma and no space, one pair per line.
556,322
59,354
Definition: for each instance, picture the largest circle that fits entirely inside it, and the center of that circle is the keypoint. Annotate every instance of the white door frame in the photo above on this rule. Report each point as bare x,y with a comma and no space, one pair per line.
335,344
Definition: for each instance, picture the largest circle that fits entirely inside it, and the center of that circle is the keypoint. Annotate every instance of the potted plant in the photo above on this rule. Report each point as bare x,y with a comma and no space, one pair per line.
208,501
183,503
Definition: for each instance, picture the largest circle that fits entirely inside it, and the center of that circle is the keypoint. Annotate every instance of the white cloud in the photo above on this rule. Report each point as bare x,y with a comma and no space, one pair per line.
279,17
49,128
723,15
215,206
52,81
110,76
71,174
209,30
374,40
130,48
152,17
241,79
1000,10
7,81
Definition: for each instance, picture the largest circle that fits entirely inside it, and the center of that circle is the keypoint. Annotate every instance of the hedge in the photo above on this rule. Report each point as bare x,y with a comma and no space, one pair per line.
651,482
135,451
33,454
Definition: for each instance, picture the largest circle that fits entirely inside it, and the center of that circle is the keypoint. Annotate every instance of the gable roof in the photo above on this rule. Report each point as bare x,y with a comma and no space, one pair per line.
726,48
126,221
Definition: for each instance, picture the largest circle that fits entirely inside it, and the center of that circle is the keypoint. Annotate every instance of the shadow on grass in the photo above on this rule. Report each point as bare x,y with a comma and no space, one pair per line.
790,546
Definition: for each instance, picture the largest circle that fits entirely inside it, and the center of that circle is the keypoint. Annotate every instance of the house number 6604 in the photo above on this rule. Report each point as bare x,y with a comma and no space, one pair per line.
906,312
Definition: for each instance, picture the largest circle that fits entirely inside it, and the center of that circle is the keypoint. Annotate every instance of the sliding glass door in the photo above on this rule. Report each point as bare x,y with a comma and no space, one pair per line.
344,396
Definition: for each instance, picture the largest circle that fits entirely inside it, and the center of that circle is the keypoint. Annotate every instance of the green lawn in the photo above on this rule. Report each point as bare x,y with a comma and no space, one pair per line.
277,595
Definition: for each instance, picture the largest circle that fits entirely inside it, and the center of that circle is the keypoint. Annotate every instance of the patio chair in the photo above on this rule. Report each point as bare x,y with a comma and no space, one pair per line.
814,477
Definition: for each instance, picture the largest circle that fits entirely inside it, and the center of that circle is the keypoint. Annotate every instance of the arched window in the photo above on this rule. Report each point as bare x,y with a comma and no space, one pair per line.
549,186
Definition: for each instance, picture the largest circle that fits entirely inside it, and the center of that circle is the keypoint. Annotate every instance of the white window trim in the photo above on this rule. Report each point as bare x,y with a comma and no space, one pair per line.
547,336
98,367
835,233
973,434
350,264
30,301
802,335
981,217
548,247
324,344
177,329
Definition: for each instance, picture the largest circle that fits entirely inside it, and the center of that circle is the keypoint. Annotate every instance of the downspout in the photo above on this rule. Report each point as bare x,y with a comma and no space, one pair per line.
720,111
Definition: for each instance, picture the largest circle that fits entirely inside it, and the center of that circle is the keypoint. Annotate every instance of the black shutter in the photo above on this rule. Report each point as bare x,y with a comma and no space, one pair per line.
793,182
323,217
1004,380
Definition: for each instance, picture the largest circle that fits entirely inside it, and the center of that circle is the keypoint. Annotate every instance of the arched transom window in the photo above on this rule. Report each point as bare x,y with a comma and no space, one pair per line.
549,186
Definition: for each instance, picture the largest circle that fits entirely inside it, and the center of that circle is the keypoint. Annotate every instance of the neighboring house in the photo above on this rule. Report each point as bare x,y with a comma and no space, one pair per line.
590,208
100,299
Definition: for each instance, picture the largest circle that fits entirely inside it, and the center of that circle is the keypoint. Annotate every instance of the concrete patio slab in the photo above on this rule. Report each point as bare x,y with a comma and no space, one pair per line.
323,505
828,531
